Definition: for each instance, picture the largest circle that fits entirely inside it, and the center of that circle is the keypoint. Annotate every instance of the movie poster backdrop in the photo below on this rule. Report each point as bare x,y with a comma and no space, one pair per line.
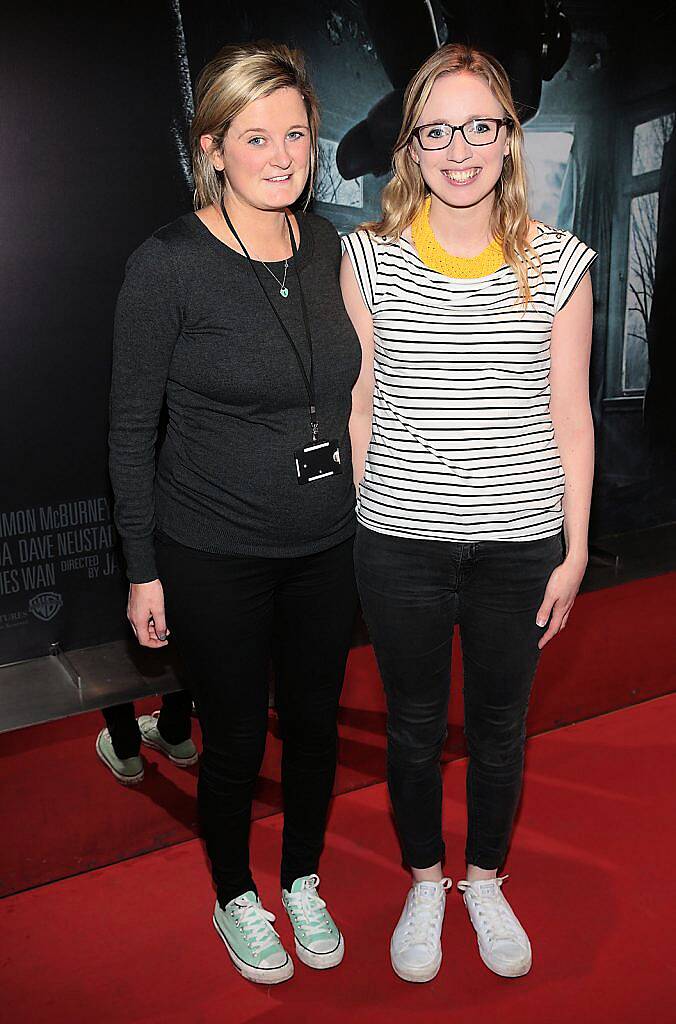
95,102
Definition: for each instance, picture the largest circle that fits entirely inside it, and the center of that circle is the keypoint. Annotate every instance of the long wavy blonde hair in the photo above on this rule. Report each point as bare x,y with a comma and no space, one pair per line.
237,76
403,197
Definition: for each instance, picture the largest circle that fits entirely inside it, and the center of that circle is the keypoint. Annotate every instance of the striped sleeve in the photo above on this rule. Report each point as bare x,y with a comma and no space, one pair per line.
574,261
361,250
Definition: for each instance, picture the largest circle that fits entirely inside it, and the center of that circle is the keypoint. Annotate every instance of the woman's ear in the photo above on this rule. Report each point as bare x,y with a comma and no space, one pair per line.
215,152
412,153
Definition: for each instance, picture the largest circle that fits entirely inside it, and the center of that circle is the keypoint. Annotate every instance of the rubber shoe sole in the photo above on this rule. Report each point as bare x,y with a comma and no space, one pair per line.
182,762
258,975
418,975
125,780
320,961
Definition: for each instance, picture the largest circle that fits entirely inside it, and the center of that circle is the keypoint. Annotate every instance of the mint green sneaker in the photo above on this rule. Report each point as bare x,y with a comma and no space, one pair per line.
183,754
253,944
318,941
128,770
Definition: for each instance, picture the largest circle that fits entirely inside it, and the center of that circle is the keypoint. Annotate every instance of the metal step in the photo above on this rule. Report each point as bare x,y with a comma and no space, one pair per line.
62,684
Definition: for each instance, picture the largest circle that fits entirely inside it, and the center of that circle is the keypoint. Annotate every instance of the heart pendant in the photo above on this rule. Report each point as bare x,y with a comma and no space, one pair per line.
284,292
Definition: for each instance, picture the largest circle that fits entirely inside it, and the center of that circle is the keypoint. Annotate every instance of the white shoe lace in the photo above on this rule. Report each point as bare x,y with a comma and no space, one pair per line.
495,917
255,923
308,908
423,918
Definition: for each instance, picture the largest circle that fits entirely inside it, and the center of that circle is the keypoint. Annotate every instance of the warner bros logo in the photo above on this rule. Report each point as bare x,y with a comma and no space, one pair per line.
45,606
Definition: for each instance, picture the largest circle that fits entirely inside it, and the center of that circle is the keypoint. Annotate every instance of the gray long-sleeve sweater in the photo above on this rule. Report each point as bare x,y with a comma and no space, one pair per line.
193,325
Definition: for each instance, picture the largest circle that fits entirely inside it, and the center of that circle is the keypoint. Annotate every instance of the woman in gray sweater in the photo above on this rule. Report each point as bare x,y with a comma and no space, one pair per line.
239,540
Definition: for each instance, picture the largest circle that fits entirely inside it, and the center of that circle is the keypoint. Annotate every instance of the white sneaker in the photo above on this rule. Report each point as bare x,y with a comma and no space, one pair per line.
503,943
415,949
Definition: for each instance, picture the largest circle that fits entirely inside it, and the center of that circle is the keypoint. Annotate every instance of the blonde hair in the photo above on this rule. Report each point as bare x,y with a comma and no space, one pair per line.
403,197
237,76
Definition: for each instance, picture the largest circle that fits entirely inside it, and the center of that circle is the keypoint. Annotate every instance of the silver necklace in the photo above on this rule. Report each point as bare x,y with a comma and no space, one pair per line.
283,290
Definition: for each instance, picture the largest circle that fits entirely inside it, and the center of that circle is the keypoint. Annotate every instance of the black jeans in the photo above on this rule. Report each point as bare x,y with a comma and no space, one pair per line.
413,592
174,723
229,615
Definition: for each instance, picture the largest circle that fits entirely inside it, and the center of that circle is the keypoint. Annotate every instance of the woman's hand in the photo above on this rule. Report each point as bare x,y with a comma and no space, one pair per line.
560,594
145,611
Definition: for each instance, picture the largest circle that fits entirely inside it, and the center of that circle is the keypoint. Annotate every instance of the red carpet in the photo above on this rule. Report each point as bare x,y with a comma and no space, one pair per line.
591,877
614,653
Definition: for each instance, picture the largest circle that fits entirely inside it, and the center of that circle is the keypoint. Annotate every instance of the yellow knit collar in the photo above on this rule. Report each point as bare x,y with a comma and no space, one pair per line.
435,256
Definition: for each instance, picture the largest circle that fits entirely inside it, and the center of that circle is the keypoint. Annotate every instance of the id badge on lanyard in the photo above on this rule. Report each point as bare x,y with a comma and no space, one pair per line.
320,459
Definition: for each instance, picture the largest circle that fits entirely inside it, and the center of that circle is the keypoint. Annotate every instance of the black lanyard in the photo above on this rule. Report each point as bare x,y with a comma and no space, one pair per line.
309,381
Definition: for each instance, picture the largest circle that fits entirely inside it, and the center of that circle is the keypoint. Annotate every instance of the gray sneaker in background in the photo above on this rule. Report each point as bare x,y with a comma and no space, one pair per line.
182,754
128,770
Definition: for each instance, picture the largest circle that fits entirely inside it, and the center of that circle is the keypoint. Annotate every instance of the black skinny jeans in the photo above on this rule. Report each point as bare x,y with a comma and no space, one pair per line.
229,615
413,592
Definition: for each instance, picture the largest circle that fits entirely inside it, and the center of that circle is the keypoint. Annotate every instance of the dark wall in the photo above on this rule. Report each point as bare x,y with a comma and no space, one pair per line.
620,74
89,170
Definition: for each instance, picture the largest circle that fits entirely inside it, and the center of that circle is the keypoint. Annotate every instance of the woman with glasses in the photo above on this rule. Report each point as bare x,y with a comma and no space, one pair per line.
473,452
240,540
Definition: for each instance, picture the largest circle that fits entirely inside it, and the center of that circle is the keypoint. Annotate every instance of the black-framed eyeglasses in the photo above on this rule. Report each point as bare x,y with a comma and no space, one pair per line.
480,131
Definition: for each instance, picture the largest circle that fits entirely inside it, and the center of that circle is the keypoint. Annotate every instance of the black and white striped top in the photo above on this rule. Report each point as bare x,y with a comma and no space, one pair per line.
463,444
